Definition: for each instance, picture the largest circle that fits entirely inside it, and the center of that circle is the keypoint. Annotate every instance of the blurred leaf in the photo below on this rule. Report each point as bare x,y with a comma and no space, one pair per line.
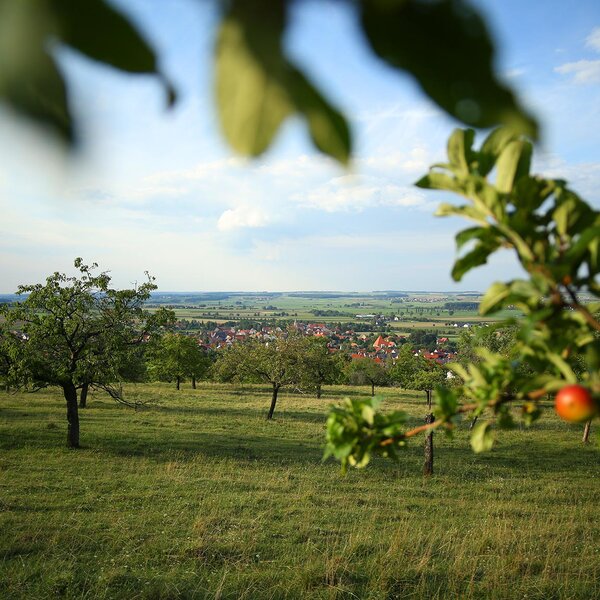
447,47
30,81
446,402
513,163
493,297
467,211
493,146
328,128
439,181
459,150
466,235
258,88
251,99
476,257
101,32
482,437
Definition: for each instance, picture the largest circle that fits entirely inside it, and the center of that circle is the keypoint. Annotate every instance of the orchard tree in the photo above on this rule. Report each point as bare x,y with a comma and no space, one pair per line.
318,366
362,371
74,332
402,372
276,362
555,236
415,372
177,357
427,377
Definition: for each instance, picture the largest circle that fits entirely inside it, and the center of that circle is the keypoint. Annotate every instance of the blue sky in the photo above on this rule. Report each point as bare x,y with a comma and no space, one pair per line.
159,190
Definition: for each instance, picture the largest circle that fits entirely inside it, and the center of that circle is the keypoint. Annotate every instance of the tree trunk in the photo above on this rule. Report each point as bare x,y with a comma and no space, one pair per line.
178,383
83,396
428,466
193,382
586,432
273,401
318,390
372,389
70,393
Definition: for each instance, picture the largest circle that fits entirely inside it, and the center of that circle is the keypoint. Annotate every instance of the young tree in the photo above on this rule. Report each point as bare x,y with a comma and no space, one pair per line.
176,357
276,362
402,372
366,370
318,367
427,377
76,331
415,372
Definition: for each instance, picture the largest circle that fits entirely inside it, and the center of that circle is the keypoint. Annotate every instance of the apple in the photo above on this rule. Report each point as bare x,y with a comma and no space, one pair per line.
574,403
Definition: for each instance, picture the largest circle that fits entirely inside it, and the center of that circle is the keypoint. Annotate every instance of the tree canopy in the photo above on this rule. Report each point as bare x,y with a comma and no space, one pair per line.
76,331
177,357
276,362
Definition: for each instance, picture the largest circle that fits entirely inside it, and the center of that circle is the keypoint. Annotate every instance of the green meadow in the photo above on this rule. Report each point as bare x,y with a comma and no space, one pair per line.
196,495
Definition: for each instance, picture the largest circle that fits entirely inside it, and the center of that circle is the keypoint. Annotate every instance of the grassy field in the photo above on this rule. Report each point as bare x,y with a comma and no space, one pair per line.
198,496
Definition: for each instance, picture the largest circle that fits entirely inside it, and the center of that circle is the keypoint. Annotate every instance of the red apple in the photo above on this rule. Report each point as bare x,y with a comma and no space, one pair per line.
574,403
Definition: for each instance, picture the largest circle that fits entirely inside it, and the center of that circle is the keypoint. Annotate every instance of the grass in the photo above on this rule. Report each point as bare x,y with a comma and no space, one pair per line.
198,496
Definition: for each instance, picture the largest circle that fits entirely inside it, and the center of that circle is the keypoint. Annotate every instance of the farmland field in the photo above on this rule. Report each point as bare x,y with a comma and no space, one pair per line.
399,312
198,496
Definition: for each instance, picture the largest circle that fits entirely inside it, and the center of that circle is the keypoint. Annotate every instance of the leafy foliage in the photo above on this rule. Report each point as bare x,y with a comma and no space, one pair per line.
555,236
176,357
318,367
76,331
445,45
30,79
356,431
366,370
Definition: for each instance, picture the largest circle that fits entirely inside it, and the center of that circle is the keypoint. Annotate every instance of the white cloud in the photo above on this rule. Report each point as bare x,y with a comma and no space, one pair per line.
514,73
593,40
242,217
356,193
583,71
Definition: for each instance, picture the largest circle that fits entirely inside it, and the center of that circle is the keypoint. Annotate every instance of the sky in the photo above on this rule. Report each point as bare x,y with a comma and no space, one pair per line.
158,190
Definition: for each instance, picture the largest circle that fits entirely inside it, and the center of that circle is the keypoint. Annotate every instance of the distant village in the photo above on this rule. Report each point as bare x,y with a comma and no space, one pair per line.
379,347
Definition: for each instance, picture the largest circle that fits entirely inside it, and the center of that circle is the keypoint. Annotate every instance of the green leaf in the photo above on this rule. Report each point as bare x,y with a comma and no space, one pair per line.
493,298
257,88
482,437
439,181
513,163
368,414
103,33
562,365
446,46
466,235
30,81
446,402
493,146
252,101
459,370
466,211
328,128
476,257
459,150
